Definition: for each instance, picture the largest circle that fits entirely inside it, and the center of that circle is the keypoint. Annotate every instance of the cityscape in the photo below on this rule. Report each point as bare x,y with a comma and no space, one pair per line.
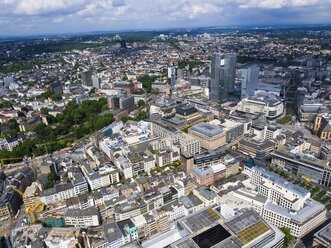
183,137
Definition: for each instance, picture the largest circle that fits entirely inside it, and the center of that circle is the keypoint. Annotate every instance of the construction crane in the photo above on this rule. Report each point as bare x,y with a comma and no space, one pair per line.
83,234
29,209
4,229
4,159
45,145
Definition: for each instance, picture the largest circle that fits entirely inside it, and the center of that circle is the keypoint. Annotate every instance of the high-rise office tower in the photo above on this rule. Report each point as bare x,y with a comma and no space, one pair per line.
223,74
249,81
86,78
172,76
96,82
230,61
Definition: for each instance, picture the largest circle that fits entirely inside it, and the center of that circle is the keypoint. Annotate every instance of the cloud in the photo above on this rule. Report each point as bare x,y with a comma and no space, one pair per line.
85,15
277,4
41,7
118,3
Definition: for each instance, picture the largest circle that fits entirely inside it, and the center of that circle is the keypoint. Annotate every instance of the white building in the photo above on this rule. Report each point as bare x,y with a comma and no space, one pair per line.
288,205
62,192
82,218
189,145
272,108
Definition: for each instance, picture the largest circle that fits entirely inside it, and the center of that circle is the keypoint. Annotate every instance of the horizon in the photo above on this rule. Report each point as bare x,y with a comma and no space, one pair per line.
23,18
170,29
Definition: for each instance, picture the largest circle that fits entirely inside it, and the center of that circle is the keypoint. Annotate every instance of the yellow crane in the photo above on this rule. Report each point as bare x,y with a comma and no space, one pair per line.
4,229
29,209
83,234
4,159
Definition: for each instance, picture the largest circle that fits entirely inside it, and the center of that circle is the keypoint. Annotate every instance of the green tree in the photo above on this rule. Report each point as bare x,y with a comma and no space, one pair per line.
141,103
104,107
92,91
56,97
288,237
141,116
44,111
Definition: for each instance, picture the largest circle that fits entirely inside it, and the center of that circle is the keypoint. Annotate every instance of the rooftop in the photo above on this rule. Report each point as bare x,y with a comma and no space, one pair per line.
324,234
281,182
211,237
310,208
207,129
200,220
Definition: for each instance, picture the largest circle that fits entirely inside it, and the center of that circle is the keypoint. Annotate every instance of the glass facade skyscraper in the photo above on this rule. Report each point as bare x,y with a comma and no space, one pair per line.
223,74
249,81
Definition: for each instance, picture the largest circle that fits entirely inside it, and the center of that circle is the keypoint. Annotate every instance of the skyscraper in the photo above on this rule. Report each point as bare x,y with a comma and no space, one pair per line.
96,82
223,74
249,81
86,78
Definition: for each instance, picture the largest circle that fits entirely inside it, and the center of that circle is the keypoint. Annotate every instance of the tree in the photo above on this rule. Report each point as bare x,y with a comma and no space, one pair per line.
288,237
44,111
104,107
56,97
92,91
142,115
141,103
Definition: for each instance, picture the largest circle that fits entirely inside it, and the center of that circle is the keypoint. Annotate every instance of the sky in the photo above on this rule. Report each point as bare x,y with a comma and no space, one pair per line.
31,17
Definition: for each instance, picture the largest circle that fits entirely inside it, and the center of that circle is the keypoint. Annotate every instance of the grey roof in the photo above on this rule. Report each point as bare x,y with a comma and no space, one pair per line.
202,171
207,129
82,212
111,231
57,188
206,192
281,182
257,144
258,197
310,208
324,234
200,220
190,201
122,225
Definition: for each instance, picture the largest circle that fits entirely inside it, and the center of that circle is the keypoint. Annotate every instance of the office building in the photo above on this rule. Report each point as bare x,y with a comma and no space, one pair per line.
205,228
249,81
82,217
272,108
211,136
56,88
128,87
96,82
288,205
223,73
256,148
86,77
121,102
189,145
322,238
308,166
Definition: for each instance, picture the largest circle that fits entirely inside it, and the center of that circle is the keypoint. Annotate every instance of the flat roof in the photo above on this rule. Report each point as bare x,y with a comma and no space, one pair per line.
201,219
211,237
325,234
252,232
281,182
310,208
207,129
